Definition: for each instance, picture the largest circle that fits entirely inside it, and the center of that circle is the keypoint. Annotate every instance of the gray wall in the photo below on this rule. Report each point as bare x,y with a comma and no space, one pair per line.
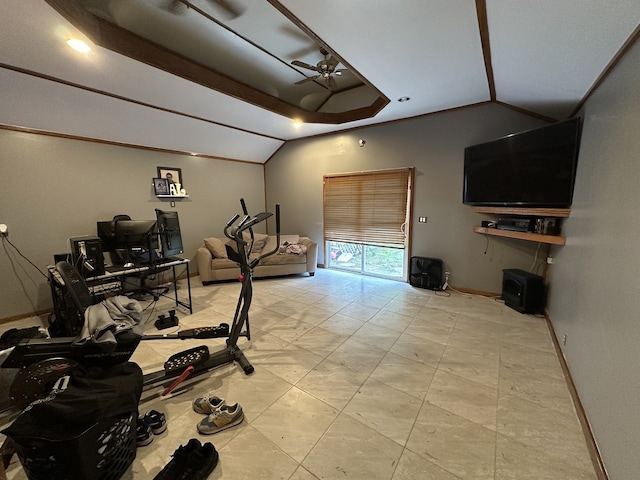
595,299
434,145
56,188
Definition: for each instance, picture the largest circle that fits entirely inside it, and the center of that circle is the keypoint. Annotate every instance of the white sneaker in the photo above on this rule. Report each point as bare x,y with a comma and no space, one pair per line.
207,404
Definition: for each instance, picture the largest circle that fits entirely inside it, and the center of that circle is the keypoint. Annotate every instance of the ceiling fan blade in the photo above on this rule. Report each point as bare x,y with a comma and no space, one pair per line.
305,80
298,63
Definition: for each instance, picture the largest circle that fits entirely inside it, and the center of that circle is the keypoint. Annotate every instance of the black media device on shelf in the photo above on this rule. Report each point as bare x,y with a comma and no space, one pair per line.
535,168
516,224
523,291
426,273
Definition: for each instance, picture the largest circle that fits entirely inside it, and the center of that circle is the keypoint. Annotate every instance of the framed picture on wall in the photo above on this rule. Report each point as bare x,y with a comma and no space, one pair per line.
161,186
171,174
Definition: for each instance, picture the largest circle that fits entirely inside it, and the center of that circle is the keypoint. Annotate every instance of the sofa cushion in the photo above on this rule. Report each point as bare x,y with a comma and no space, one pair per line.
259,240
216,247
271,241
221,263
283,259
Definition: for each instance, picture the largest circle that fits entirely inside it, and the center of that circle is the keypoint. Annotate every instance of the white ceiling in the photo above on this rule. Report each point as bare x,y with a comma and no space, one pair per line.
545,56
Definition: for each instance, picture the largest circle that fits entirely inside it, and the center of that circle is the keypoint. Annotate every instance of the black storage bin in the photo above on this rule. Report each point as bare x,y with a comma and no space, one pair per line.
523,291
85,429
426,273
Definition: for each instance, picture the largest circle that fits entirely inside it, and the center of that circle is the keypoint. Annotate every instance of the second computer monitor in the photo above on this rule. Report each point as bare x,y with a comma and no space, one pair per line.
169,231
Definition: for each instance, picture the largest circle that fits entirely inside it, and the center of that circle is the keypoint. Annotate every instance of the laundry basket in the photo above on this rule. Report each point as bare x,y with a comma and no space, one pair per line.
84,429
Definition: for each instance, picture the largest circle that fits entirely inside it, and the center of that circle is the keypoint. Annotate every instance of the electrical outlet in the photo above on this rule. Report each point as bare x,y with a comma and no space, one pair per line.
564,339
422,219
4,230
549,260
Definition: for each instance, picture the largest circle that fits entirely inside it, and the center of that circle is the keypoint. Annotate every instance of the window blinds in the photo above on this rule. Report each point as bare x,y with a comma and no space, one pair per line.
369,207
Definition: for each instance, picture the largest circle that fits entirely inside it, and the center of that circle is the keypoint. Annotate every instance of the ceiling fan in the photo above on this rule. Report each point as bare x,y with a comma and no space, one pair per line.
325,68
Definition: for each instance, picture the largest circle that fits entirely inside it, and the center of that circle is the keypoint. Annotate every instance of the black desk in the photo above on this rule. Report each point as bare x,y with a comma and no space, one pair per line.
114,279
115,275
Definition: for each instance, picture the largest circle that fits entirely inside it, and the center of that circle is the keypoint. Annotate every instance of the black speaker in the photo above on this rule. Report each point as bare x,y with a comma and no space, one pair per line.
523,291
426,273
86,255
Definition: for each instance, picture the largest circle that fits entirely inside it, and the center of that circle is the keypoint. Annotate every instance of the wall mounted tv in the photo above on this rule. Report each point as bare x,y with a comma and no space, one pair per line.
535,168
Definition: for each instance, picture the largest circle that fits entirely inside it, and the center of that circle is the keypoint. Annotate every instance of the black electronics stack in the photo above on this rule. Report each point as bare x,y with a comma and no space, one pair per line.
86,255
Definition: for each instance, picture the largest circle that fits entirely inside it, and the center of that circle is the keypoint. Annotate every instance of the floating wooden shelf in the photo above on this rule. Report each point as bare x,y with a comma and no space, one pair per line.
532,212
533,237
172,196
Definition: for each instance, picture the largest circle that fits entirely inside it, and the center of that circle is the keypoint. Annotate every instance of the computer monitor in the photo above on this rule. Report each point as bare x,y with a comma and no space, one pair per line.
169,233
129,241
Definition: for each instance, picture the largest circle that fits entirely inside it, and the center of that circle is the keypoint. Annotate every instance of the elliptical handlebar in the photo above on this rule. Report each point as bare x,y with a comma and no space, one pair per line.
275,250
235,232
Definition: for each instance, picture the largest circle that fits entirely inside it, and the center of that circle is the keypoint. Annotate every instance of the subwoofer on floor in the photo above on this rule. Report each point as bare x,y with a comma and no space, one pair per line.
523,291
426,273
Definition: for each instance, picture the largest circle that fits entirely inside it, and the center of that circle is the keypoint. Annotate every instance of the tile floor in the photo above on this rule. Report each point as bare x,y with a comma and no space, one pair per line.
363,378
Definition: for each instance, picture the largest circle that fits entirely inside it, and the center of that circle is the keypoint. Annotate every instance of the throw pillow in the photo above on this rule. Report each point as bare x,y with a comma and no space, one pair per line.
259,240
216,247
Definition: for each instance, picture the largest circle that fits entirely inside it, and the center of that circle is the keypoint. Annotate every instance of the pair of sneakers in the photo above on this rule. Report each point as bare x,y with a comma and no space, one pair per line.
219,415
192,461
149,424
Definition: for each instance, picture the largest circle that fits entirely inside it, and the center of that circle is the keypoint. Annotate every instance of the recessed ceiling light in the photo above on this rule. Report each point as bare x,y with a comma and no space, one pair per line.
404,99
78,45
297,123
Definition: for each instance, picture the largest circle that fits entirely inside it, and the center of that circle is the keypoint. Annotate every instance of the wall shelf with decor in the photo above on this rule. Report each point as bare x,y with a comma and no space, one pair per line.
172,196
528,212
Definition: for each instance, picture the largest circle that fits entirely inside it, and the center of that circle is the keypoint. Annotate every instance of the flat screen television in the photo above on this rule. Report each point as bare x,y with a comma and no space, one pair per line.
169,232
535,168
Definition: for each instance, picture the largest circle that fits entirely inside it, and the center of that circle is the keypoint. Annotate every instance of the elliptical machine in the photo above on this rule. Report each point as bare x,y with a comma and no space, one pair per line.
43,360
199,358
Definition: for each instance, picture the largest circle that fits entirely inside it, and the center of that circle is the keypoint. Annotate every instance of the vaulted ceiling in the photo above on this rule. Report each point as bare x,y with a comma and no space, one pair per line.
216,78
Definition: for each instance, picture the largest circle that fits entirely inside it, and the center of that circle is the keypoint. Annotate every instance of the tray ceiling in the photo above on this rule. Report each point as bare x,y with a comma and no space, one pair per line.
540,57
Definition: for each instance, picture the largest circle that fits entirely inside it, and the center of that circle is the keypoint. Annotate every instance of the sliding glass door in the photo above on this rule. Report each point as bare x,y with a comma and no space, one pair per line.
367,259
365,219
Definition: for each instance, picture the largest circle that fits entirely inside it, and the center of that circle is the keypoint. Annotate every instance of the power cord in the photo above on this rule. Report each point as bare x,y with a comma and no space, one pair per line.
5,239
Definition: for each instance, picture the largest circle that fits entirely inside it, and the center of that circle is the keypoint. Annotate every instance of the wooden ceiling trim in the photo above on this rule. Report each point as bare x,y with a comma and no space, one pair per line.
129,100
483,26
526,112
633,38
117,39
81,138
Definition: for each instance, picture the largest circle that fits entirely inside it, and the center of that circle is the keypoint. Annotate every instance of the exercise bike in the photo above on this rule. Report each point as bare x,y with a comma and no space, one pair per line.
43,360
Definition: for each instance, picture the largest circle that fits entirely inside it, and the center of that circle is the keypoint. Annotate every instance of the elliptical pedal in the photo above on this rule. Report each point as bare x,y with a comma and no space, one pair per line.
181,360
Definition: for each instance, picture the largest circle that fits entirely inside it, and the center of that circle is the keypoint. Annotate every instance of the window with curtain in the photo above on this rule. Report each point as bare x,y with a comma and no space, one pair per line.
367,207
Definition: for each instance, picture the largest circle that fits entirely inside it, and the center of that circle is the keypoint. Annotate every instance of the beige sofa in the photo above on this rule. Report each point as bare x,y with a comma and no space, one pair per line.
214,265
